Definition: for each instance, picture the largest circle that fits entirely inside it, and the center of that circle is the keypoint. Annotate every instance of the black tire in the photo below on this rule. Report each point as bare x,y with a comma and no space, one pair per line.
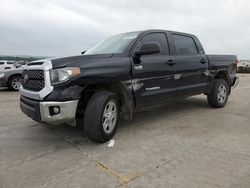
215,98
93,117
12,79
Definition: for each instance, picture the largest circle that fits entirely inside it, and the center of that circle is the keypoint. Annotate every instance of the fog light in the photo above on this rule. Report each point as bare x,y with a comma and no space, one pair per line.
53,110
56,110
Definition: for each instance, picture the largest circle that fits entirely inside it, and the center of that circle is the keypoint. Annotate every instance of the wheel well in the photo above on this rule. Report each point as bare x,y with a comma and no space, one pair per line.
123,97
13,76
224,75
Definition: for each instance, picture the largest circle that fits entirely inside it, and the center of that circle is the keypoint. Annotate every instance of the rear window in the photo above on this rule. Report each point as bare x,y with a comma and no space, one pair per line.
10,63
185,45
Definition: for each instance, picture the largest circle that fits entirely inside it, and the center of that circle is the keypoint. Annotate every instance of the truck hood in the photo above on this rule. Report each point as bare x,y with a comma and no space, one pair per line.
78,61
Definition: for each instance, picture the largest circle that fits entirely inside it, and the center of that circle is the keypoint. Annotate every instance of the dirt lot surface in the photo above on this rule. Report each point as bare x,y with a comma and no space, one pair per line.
181,144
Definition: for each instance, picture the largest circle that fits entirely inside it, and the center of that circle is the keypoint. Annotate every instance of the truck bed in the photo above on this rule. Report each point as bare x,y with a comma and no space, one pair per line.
219,61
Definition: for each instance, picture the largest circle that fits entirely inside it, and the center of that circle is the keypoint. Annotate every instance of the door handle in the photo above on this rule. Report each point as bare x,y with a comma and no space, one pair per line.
170,62
203,61
138,67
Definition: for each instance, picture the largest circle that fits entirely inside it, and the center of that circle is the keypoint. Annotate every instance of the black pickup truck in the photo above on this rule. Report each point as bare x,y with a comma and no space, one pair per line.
120,74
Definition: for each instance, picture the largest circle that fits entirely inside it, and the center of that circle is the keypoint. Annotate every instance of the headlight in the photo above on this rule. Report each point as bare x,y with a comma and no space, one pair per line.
2,75
58,76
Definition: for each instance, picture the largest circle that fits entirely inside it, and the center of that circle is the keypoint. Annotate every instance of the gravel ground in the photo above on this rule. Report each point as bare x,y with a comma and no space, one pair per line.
180,144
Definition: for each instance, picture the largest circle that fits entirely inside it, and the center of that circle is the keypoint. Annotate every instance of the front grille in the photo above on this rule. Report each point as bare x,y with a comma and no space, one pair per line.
33,80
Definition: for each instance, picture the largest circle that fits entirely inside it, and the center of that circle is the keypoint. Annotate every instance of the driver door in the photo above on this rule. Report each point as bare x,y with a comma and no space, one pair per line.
153,78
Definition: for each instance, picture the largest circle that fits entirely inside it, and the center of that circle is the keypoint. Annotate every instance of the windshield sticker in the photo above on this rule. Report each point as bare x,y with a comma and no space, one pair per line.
129,37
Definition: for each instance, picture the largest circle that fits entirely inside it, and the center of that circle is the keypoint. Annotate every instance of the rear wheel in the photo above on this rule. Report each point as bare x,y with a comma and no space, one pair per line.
15,82
101,116
219,94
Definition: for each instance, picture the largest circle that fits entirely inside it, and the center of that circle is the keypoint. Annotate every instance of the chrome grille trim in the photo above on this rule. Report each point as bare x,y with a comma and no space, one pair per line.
48,88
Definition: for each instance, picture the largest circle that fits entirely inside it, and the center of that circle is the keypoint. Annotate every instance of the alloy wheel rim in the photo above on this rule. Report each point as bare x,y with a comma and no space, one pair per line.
16,83
222,94
109,117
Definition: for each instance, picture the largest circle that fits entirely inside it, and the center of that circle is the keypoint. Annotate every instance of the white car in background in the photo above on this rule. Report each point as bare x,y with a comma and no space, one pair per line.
6,65
244,63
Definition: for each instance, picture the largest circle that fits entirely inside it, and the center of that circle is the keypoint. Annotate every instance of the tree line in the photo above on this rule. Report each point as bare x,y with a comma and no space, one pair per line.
18,58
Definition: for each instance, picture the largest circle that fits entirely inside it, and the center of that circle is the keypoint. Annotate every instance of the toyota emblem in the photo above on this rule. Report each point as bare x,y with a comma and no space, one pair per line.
26,78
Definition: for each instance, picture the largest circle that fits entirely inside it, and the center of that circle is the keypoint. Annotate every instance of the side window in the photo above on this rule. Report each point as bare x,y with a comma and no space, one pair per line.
1,63
185,45
160,38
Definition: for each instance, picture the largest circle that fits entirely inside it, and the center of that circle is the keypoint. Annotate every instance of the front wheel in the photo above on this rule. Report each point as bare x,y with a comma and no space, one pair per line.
218,97
15,82
101,116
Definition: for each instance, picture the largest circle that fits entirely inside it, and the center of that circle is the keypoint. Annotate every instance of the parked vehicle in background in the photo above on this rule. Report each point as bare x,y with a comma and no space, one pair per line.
243,66
4,65
11,78
121,74
244,63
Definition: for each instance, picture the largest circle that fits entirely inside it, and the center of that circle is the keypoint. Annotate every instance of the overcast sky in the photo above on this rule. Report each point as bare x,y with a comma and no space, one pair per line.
67,27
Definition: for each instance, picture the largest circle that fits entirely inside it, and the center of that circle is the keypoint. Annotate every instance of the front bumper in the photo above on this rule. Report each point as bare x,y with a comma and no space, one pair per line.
43,111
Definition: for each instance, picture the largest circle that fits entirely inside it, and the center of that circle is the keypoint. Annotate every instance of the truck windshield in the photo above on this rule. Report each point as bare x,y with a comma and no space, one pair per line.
113,44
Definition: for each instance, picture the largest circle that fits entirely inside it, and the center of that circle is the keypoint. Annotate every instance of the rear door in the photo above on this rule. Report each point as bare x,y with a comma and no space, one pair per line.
153,79
192,66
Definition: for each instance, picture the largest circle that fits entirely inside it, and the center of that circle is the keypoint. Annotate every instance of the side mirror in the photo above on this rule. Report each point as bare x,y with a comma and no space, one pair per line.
83,52
147,49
